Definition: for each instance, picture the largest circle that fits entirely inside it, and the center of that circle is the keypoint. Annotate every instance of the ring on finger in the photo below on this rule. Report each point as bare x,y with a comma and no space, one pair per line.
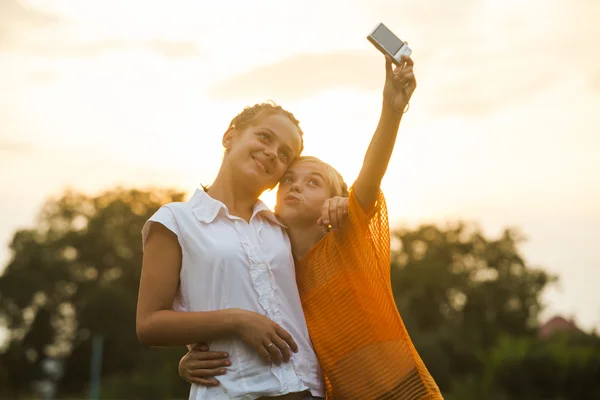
269,345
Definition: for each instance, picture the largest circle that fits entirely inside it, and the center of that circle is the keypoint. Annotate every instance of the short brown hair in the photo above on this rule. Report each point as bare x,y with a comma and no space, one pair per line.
253,114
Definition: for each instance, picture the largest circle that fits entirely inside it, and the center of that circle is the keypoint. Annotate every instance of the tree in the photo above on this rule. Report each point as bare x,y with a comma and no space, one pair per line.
76,274
563,367
458,292
470,304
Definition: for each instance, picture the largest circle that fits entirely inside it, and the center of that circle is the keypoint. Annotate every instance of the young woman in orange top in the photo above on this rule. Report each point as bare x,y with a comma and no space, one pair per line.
343,276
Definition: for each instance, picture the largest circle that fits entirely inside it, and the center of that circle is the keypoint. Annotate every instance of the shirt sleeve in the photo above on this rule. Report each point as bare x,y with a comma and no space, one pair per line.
366,234
164,216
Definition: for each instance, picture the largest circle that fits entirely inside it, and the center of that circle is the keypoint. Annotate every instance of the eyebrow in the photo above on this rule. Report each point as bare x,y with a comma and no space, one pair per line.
292,173
317,174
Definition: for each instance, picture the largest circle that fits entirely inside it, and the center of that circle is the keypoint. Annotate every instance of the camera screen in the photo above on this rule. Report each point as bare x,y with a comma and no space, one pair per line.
387,39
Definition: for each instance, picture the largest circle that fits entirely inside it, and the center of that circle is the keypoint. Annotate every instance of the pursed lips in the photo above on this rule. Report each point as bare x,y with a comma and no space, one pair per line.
291,197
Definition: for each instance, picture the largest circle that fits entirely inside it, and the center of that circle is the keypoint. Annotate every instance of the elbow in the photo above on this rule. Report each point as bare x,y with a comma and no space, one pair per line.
144,333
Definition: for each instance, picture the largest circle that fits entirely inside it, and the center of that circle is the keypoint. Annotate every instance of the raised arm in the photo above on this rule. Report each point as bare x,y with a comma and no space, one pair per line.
399,86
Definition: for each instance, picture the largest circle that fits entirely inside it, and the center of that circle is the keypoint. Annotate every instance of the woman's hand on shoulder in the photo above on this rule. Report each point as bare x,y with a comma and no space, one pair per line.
334,213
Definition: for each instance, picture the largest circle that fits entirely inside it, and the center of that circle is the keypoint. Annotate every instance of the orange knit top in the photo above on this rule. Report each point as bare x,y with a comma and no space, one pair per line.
359,337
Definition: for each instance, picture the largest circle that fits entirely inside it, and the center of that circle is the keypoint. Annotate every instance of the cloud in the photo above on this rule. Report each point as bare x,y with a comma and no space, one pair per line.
474,84
166,48
15,18
303,75
479,84
27,31
14,12
42,76
483,56
595,80
9,146
173,49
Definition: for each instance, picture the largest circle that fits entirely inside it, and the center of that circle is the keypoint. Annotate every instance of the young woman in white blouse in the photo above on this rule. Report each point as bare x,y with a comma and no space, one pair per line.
219,269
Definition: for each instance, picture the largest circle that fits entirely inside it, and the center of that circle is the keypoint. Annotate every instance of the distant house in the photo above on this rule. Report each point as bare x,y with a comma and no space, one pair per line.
557,324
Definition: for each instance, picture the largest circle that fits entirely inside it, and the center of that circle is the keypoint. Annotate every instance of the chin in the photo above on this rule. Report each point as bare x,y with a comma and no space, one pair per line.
286,218
258,182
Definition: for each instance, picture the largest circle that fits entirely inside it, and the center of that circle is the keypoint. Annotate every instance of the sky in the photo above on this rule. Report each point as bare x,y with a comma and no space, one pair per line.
503,129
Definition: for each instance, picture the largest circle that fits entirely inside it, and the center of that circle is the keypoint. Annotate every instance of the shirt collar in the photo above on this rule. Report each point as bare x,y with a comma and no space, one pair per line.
206,209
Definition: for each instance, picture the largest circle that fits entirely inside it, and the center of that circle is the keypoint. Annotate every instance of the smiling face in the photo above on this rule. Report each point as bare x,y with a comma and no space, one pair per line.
304,188
260,154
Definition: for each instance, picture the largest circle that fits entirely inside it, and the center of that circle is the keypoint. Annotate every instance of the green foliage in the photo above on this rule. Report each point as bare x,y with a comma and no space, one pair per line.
559,368
563,367
458,292
74,275
471,305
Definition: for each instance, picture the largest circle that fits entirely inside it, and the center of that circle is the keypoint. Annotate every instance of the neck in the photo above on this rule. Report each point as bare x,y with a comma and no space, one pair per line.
303,238
238,198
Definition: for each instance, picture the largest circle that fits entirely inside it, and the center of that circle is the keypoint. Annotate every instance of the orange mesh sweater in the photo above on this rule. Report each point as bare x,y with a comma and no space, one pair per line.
362,344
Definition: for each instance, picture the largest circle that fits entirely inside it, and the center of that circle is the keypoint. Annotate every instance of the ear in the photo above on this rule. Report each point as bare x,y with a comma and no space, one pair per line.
228,138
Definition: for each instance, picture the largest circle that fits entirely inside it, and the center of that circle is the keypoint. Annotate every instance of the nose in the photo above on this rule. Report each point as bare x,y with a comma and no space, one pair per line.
270,154
296,187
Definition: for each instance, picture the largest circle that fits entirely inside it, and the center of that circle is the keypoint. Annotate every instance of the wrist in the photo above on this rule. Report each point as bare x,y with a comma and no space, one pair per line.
398,99
389,110
234,320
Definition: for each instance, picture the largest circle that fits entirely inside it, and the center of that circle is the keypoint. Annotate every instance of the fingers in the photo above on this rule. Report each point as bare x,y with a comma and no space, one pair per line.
333,214
266,337
283,348
410,87
405,80
264,353
200,346
280,345
409,61
400,73
274,352
207,373
340,212
196,355
202,381
325,212
406,65
207,364
201,367
388,66
287,338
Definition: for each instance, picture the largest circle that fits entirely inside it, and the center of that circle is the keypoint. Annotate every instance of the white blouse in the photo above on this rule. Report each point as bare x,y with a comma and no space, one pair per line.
229,263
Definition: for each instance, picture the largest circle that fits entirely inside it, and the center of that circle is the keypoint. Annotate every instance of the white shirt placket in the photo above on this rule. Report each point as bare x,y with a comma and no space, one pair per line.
262,281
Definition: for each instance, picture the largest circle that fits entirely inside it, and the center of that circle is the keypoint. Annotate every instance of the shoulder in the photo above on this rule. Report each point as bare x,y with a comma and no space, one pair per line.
362,217
176,207
171,212
169,217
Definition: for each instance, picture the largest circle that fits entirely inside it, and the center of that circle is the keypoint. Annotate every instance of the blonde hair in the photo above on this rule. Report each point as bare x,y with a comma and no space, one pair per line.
251,115
335,181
